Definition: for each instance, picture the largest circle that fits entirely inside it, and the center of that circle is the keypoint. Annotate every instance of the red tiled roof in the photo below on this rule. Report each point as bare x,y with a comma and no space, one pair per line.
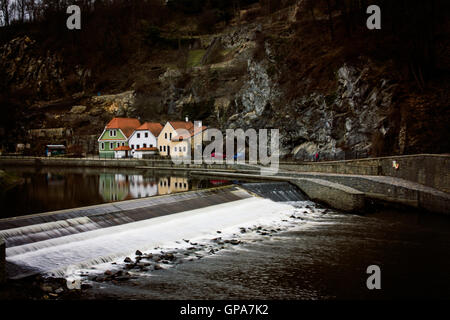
154,127
181,125
123,148
147,149
127,125
181,137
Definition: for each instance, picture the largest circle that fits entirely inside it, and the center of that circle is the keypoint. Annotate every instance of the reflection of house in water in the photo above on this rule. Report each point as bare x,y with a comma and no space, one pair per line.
117,187
113,187
141,187
172,185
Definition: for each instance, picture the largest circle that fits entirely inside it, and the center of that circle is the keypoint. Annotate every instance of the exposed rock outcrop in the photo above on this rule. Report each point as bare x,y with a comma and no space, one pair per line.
43,75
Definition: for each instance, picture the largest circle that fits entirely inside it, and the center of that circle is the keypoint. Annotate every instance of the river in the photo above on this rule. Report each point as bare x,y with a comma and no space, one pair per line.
324,256
55,188
284,250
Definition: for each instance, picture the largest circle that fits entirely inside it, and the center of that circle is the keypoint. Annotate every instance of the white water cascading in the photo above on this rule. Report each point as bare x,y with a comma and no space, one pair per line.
59,247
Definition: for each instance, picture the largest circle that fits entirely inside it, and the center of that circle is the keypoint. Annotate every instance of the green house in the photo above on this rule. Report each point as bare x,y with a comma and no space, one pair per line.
115,135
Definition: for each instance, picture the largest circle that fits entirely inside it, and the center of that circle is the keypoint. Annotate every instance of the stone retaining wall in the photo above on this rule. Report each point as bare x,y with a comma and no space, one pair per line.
335,195
436,201
112,163
427,169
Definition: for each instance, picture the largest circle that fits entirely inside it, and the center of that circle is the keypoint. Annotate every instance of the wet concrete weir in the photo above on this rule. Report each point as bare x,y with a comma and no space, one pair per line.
349,192
29,234
56,243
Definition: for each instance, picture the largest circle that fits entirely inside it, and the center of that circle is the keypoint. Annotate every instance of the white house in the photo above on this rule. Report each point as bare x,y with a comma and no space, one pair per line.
122,152
144,137
145,152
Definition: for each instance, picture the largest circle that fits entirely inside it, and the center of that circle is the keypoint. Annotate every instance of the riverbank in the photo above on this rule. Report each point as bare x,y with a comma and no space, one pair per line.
421,181
313,259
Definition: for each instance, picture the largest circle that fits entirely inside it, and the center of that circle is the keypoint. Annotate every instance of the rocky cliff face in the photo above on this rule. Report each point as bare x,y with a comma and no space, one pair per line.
24,67
337,125
240,83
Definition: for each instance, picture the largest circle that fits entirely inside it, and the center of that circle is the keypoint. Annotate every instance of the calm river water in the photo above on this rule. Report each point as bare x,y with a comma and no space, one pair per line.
52,188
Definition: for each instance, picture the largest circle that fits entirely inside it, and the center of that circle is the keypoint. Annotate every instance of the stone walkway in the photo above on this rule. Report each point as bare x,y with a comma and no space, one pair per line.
380,179
386,188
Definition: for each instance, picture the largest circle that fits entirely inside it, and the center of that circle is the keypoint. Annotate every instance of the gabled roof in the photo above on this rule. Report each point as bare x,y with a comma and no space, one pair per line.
127,125
181,137
188,125
154,127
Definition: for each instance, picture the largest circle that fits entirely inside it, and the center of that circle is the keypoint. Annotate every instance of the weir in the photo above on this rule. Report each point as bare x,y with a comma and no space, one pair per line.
56,242
276,191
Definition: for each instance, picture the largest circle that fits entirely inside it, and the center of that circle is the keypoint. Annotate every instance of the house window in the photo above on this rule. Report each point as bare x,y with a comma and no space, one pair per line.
144,146
132,146
171,136
146,134
138,147
164,148
111,145
176,185
160,148
113,133
151,146
123,144
138,135
184,149
165,135
103,146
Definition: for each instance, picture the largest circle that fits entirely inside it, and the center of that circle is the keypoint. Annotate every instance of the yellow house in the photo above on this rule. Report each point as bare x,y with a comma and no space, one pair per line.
168,132
180,143
176,137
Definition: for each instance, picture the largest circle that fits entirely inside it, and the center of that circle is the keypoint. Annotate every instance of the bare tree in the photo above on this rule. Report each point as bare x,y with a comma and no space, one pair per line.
5,8
21,8
31,9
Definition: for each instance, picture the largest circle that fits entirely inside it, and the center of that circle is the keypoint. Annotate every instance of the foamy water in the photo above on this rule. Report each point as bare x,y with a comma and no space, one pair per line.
64,256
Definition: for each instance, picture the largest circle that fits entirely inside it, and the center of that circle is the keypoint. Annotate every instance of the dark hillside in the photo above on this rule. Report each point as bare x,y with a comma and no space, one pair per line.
310,68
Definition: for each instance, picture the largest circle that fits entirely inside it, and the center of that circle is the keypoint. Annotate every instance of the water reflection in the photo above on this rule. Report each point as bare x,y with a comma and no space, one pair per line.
172,185
118,187
113,187
47,189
